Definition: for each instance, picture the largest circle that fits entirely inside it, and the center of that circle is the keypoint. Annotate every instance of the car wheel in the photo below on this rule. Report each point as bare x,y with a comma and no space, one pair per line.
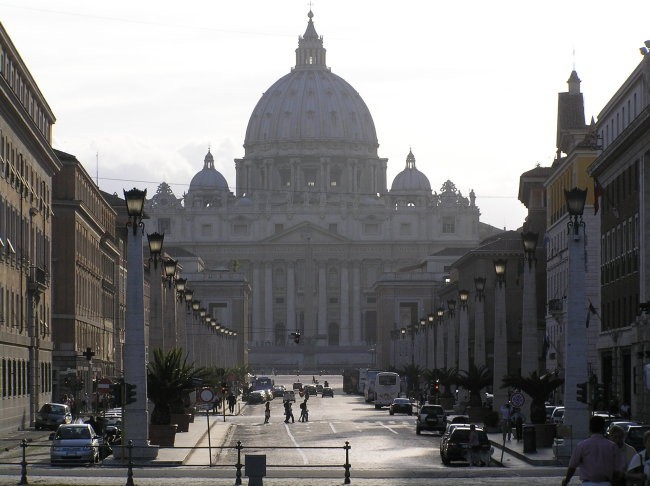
418,431
445,461
391,412
410,413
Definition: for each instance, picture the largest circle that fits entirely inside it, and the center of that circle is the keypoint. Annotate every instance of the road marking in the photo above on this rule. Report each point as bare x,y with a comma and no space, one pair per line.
332,427
304,457
387,427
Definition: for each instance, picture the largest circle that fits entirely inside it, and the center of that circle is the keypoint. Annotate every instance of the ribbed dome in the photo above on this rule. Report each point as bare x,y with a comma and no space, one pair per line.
410,179
310,104
208,178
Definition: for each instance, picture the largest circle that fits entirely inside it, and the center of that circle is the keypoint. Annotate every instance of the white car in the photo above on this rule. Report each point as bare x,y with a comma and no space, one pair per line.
557,417
289,396
75,443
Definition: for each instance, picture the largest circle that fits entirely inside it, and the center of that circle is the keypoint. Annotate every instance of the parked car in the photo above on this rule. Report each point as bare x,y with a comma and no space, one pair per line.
557,417
311,389
289,396
75,443
430,417
456,447
278,390
297,386
327,392
319,388
549,413
51,415
401,405
635,435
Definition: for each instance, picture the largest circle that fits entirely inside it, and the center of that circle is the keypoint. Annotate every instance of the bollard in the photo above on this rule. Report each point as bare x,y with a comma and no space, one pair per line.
129,476
239,464
255,469
23,463
347,463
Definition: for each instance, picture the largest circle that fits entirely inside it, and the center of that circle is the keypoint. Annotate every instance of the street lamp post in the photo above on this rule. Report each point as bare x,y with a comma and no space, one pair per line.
423,328
431,320
529,345
576,371
463,331
136,414
500,360
479,322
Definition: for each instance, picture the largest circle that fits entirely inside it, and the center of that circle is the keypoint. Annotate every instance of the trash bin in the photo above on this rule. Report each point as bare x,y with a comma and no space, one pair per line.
529,439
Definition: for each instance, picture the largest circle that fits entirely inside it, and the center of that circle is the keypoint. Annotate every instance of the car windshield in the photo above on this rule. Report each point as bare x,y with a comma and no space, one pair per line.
429,410
401,401
73,433
636,433
462,436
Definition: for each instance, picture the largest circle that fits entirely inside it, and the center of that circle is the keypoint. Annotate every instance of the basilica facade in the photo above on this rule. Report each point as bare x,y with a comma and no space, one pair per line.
311,223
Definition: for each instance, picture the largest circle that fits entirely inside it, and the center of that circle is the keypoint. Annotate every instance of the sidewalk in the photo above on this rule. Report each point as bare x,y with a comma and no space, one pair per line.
543,456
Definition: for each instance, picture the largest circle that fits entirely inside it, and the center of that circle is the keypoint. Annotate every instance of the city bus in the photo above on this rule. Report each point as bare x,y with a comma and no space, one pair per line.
369,387
387,388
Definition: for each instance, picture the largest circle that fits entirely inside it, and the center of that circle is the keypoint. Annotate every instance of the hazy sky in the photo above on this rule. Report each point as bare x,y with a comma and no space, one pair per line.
470,86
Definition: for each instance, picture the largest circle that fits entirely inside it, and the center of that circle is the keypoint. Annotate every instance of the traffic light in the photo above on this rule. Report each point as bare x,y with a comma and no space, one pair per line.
581,393
436,387
296,337
116,391
129,393
224,388
599,392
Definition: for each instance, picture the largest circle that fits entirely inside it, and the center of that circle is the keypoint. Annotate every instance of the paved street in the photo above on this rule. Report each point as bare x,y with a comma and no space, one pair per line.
384,451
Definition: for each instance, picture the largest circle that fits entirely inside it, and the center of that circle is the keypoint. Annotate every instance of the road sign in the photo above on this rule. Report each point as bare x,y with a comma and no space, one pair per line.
104,386
206,395
517,399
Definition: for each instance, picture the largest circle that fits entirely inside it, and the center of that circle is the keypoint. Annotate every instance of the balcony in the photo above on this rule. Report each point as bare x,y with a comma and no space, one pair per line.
39,279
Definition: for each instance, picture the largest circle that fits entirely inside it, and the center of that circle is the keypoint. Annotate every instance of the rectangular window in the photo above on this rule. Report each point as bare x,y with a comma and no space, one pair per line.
370,229
240,229
405,229
206,229
279,228
333,227
448,225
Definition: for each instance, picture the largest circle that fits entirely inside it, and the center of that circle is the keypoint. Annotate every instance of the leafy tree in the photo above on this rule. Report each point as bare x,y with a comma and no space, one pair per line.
474,380
538,388
170,378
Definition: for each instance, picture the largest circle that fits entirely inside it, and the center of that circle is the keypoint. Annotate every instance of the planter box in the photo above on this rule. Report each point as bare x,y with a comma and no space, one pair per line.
544,435
162,435
182,420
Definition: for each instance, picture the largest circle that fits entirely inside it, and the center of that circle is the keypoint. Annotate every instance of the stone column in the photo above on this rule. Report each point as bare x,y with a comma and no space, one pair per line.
440,345
500,367
268,303
136,419
291,297
463,337
258,335
346,332
322,303
356,304
479,332
576,414
529,346
452,361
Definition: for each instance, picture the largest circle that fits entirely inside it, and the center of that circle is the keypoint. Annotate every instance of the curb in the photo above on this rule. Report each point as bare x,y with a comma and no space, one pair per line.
527,459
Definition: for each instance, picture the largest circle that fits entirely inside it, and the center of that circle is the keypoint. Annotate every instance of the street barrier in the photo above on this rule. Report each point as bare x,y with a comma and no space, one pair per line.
30,455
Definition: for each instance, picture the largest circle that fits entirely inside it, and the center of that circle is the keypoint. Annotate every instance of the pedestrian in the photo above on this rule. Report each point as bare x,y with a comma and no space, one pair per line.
617,435
505,413
598,458
288,413
474,446
231,403
267,412
517,419
303,407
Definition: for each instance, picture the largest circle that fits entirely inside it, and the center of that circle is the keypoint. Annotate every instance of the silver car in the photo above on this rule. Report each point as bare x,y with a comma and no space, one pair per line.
75,443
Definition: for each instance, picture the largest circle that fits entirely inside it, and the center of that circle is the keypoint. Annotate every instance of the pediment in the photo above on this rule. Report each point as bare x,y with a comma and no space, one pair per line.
299,234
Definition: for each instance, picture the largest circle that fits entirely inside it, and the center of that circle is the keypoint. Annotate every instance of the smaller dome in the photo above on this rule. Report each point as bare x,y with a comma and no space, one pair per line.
243,202
410,179
208,178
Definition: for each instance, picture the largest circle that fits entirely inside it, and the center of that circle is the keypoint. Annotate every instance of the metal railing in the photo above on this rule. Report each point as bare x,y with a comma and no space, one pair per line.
129,463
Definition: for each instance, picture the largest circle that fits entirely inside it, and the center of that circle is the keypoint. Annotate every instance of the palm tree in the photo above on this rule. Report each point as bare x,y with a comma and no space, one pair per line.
538,388
474,380
412,373
170,378
445,376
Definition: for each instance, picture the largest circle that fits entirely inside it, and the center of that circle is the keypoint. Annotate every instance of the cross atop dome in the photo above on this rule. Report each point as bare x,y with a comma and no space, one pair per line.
310,52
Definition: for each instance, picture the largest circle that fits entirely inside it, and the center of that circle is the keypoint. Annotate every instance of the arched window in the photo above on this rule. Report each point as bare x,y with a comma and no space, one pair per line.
280,334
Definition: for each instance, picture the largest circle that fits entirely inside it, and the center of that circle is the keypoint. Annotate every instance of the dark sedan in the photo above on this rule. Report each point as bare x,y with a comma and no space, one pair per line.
456,446
327,392
401,405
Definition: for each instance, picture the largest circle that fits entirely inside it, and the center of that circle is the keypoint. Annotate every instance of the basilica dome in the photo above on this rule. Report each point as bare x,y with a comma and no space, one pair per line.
310,104
208,178
410,179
